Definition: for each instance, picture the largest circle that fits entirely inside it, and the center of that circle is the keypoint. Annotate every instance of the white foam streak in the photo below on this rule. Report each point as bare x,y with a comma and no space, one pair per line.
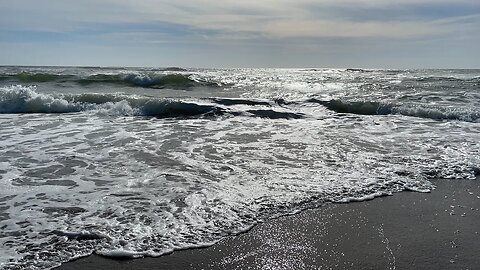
122,253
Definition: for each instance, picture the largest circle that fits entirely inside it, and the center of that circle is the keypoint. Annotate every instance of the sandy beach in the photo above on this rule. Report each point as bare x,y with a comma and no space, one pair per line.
410,230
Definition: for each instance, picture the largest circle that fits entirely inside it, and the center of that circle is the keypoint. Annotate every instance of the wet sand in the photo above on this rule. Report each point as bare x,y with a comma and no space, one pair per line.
410,230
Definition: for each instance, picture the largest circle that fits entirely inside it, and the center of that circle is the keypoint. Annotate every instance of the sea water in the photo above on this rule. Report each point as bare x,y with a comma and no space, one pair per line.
136,162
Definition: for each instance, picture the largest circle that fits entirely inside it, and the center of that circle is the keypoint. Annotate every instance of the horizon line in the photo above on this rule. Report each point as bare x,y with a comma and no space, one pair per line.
192,67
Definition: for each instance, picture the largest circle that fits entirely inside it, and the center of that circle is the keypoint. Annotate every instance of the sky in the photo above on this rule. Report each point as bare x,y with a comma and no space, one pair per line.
241,33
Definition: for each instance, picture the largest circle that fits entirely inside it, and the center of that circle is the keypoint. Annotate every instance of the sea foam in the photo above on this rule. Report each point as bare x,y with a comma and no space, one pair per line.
124,170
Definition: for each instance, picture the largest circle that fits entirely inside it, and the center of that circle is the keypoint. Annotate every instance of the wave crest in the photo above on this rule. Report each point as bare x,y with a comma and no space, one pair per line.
378,108
355,107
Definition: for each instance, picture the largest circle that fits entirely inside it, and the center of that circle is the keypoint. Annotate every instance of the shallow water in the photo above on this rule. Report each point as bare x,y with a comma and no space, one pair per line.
130,164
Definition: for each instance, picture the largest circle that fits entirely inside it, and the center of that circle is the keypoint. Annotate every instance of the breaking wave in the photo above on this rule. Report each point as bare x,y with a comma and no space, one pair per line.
147,80
19,99
379,108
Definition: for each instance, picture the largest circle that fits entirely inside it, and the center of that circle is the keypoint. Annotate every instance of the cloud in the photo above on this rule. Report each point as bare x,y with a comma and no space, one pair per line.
305,31
318,29
306,18
247,18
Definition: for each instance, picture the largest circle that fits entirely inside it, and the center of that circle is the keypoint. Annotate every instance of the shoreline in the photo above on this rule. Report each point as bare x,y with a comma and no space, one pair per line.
409,230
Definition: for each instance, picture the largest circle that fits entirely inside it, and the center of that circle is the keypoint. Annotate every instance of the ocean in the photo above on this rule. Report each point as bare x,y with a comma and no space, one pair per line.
132,162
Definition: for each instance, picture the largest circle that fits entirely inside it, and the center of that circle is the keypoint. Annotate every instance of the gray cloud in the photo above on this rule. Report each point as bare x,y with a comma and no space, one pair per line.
348,28
267,18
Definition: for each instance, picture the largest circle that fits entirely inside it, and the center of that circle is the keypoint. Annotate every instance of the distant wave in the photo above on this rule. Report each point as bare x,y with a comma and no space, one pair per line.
173,69
358,70
431,79
379,108
175,81
26,77
177,78
20,99
147,80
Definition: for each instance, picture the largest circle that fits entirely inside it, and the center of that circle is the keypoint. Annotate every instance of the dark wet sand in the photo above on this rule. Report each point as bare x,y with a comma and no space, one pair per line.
438,230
